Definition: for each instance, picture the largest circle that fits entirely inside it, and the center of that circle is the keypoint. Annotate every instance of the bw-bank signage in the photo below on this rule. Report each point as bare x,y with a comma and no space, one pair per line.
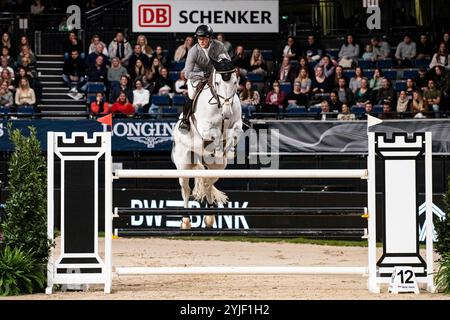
223,15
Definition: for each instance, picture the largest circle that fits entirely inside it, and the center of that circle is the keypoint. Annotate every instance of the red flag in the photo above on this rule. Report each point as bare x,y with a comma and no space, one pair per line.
106,120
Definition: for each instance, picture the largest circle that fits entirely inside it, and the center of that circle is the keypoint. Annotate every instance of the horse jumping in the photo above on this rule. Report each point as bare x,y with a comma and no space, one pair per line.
216,126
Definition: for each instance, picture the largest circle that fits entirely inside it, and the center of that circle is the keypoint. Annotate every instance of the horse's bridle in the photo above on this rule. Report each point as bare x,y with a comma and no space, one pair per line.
218,96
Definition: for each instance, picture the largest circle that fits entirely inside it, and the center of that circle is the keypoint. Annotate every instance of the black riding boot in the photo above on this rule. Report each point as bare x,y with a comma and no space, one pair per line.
185,125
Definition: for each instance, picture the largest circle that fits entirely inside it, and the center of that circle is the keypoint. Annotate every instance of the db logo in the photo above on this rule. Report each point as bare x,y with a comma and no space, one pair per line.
154,15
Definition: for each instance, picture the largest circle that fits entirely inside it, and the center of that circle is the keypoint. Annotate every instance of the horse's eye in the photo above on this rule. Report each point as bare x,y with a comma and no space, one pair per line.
217,83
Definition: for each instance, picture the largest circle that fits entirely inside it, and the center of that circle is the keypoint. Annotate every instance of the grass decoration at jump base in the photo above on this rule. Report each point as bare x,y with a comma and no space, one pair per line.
25,248
443,246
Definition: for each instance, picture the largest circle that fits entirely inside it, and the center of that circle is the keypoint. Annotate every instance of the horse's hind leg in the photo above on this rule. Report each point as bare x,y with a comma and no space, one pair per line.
186,193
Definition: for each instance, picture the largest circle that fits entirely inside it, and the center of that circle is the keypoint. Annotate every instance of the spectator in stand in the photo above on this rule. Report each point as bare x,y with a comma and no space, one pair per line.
338,74
425,49
115,72
355,82
290,50
343,92
181,84
349,53
162,57
441,58
182,51
368,54
345,114
363,95
241,61
145,47
386,92
334,102
137,55
296,97
4,66
438,74
257,63
328,65
120,48
74,72
421,79
154,71
24,41
446,40
381,49
418,105
25,96
376,83
73,44
320,83
313,50
6,54
325,108
276,97
92,57
410,88
23,72
5,76
286,72
433,96
249,99
96,73
387,110
303,63
100,106
226,44
6,96
240,81
95,40
6,41
122,105
138,72
123,87
26,54
141,97
305,81
406,52
403,103
163,84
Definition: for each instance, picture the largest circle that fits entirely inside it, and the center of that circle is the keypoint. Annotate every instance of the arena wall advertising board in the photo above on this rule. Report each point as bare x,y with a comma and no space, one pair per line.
223,16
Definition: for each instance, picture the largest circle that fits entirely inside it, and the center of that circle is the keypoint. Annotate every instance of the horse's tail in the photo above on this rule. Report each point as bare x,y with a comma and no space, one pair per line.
204,189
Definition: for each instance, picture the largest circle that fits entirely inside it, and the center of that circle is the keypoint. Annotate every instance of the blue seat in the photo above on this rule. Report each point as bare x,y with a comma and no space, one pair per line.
95,87
91,98
255,77
294,63
313,64
5,110
377,108
349,74
267,55
315,109
385,64
173,75
390,74
169,112
297,110
400,86
178,100
176,66
422,63
332,52
160,100
286,87
410,74
25,110
357,110
368,74
365,64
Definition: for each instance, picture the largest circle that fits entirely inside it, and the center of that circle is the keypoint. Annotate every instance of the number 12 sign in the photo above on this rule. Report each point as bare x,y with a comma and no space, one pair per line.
403,280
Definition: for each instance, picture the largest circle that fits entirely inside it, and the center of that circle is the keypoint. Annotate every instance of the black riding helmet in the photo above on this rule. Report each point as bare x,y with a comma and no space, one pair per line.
204,31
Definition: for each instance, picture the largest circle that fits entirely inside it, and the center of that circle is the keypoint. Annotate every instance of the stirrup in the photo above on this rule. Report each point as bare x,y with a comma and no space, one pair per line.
185,126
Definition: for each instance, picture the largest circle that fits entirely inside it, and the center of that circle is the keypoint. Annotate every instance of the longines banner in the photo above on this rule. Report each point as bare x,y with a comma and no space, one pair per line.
294,136
222,15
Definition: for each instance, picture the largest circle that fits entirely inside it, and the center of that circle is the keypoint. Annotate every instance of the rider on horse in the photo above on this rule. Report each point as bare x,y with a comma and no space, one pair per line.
198,67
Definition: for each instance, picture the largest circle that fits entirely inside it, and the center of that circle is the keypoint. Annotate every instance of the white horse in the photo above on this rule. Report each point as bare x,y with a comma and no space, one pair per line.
216,125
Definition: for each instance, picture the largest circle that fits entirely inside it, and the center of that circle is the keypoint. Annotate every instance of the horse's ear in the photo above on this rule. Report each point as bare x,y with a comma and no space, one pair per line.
215,63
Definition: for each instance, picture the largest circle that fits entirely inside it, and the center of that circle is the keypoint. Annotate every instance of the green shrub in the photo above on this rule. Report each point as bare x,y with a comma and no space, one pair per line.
20,272
25,225
443,247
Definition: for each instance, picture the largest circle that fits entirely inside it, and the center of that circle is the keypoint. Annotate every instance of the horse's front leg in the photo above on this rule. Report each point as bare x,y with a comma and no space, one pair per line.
232,138
186,193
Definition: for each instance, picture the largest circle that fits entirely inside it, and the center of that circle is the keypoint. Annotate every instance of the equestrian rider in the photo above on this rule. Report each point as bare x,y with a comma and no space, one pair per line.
198,67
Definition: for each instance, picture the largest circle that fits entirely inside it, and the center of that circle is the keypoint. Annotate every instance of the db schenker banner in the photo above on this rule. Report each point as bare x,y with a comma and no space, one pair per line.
223,15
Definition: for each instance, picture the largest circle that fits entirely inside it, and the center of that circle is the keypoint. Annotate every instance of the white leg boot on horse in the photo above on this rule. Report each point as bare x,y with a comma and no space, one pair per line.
186,193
